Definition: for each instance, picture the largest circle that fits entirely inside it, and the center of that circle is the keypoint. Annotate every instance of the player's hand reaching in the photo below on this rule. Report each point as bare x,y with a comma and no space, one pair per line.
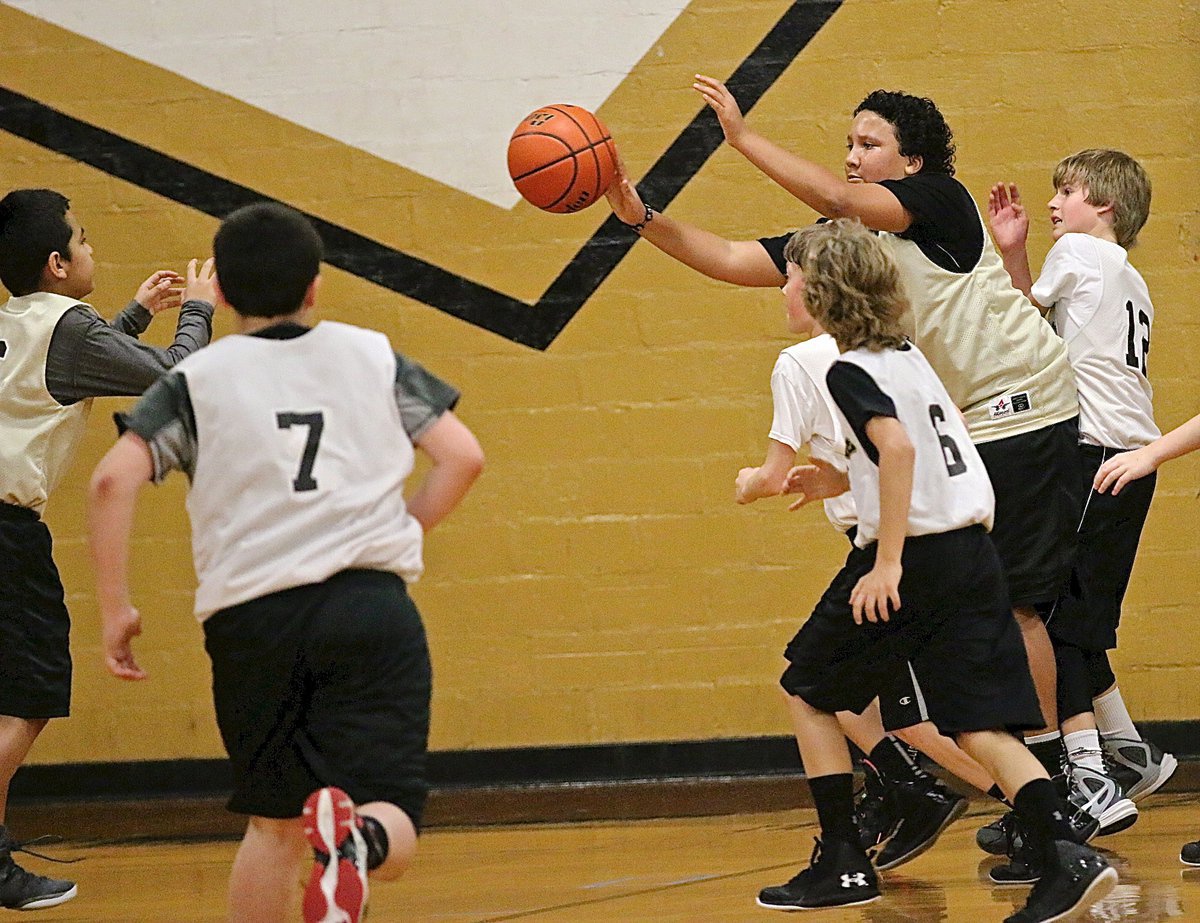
818,480
1007,217
721,101
623,198
1123,468
160,292
874,591
121,626
201,283
741,486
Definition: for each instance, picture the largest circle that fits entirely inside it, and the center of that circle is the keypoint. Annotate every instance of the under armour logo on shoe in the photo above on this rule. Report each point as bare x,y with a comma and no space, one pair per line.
857,880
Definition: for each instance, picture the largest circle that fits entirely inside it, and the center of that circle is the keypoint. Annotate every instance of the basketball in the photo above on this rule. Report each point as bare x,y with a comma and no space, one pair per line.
561,158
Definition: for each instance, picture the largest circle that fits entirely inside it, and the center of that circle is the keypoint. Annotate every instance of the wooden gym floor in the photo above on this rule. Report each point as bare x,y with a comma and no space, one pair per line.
687,870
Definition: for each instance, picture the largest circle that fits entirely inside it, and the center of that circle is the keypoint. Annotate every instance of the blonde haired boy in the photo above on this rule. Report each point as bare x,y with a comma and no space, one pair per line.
924,585
1103,312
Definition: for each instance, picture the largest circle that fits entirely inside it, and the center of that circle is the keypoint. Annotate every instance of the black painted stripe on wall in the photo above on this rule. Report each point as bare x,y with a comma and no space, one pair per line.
530,325
746,756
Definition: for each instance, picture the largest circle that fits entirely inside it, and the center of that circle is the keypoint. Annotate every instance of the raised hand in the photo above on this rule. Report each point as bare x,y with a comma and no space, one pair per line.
721,101
201,284
160,292
623,198
1007,217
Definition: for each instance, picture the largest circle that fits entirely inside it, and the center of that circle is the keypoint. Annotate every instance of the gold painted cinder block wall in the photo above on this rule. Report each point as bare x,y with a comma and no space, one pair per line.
599,584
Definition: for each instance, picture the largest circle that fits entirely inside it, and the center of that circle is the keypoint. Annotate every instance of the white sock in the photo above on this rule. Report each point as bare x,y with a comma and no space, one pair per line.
1112,717
1083,749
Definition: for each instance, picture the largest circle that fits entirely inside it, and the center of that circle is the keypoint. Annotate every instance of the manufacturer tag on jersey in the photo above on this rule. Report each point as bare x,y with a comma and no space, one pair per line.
1008,405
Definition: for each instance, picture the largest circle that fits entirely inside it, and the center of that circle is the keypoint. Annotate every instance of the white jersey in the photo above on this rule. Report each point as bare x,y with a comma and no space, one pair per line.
300,462
38,435
951,489
805,414
1102,310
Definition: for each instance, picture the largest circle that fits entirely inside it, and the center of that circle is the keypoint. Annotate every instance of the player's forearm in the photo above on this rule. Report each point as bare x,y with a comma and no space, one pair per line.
1179,441
111,503
811,183
736,262
1016,262
443,489
896,460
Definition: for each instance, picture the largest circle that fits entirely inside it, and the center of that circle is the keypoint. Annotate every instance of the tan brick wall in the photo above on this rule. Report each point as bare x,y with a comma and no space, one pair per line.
599,585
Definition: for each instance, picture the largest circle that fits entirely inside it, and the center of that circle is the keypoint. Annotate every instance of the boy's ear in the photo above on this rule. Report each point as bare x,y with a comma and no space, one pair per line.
221,302
914,165
310,294
56,266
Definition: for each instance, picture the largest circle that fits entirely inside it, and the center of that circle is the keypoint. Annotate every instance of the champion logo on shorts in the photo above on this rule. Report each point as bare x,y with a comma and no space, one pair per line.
906,700
1007,405
857,880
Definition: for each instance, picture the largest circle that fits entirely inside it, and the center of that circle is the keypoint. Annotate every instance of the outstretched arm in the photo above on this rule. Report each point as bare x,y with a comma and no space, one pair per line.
738,262
112,497
812,184
1129,466
457,461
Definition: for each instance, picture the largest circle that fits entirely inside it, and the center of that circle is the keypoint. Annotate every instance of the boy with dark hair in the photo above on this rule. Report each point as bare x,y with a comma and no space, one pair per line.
56,354
924,587
1001,363
1103,312
297,441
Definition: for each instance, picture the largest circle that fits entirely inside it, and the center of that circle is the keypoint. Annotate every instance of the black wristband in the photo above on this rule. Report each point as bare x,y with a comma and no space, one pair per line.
649,216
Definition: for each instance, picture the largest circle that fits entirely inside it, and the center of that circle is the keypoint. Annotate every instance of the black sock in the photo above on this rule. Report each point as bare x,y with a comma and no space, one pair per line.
890,757
1052,754
998,793
834,797
1043,815
376,838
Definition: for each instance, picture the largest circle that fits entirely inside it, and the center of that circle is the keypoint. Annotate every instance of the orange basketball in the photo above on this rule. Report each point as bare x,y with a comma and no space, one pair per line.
561,158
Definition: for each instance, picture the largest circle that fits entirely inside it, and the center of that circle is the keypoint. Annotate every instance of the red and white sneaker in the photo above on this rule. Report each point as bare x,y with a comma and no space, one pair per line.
337,887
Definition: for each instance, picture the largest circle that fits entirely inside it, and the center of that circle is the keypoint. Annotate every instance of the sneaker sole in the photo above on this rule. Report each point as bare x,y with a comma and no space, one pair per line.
960,808
1194,864
1013,883
1166,769
1097,890
336,893
52,901
1120,816
788,908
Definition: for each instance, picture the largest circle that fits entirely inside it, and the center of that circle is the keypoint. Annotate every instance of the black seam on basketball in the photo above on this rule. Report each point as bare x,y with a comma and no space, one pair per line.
572,153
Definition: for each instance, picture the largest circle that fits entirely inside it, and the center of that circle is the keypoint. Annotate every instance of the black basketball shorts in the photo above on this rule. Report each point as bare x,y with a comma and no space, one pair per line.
324,684
954,626
1038,501
1088,612
35,654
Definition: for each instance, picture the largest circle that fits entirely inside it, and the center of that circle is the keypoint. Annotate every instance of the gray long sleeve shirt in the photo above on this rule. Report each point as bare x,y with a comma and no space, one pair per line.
88,357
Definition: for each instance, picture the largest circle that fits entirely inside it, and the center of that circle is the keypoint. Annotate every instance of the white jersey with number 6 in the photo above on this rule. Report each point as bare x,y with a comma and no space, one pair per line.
951,489
321,457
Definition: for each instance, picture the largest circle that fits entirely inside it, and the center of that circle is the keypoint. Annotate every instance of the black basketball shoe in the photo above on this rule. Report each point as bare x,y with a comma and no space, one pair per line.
838,875
924,809
1076,879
